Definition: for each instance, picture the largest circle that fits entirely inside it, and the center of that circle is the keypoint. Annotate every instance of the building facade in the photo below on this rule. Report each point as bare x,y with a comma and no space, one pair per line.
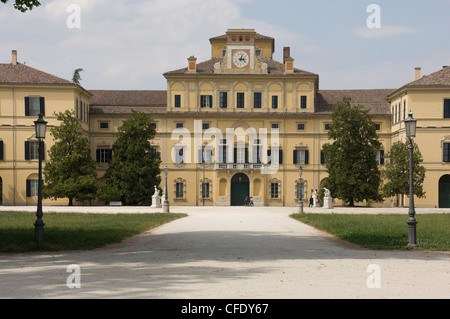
237,125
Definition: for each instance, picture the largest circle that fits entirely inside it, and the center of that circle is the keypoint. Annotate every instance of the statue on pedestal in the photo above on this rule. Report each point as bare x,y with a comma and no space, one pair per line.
327,199
156,199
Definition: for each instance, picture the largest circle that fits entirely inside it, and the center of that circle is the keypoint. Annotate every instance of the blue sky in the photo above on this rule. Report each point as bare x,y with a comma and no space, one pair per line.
129,44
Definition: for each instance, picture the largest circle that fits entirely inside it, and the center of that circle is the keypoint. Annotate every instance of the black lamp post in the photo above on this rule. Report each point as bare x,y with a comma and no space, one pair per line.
300,202
410,128
165,204
40,127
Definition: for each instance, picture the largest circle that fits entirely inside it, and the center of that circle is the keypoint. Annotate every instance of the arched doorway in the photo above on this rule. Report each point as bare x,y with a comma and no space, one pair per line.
444,191
240,188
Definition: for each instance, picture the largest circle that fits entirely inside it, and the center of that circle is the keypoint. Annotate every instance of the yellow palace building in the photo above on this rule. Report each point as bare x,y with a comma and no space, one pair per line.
237,125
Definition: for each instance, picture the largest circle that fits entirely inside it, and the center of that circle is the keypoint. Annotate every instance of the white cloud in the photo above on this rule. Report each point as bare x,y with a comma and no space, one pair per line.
383,31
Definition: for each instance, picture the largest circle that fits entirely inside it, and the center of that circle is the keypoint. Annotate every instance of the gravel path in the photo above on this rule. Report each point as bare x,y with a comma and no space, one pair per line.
228,253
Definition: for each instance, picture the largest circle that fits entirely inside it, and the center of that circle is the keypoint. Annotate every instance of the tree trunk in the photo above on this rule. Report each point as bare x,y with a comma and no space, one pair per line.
70,202
352,203
403,200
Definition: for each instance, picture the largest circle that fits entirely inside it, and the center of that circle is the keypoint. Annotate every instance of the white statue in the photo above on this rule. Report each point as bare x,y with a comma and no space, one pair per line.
315,197
327,192
156,191
327,200
156,199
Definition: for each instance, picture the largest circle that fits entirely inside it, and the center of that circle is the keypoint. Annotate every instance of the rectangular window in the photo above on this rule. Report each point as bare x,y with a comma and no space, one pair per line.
154,125
179,125
380,157
104,125
32,187
301,156
274,190
327,127
104,155
300,191
274,101
446,154
404,109
34,106
257,152
447,108
1,150
275,126
205,190
277,158
240,100
303,102
31,150
377,126
177,100
179,191
223,100
205,126
300,127
206,101
205,156
179,157
257,100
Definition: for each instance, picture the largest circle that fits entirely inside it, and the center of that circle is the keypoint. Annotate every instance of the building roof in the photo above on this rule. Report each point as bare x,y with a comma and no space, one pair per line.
273,68
438,78
128,98
224,37
375,100
23,74
124,101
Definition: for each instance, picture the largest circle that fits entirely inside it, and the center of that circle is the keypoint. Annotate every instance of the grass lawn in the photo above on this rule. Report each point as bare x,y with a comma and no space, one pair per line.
74,231
383,231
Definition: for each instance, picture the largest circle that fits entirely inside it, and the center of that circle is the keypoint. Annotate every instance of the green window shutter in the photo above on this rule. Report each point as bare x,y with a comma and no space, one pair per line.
27,106
42,105
28,188
295,156
306,156
303,102
381,157
322,158
27,150
1,150
280,158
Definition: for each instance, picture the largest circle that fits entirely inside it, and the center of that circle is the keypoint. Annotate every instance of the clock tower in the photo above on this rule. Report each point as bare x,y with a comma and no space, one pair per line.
240,49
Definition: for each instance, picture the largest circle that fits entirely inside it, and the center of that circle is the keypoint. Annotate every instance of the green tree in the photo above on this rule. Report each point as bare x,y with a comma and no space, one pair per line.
24,5
397,171
76,76
134,168
70,172
351,158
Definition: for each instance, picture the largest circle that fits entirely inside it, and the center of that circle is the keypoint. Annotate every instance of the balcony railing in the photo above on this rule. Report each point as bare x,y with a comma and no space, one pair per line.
237,166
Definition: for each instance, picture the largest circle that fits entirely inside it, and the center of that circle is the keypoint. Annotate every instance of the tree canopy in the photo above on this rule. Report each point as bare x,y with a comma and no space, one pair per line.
351,157
396,171
134,168
24,5
70,172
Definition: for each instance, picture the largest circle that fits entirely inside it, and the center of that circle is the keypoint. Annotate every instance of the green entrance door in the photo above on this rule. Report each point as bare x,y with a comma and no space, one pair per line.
240,188
444,191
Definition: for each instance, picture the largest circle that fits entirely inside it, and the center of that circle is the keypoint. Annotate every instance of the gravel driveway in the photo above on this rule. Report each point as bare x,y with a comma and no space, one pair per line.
246,252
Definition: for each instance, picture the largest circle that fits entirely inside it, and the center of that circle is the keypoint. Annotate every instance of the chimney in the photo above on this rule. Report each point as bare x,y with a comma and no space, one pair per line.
289,65
417,73
14,57
192,64
286,53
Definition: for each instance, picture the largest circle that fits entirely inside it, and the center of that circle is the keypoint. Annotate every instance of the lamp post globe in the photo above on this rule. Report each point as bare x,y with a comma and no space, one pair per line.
40,129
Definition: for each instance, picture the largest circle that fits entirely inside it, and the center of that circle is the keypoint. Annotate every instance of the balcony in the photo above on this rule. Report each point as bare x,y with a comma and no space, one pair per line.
238,167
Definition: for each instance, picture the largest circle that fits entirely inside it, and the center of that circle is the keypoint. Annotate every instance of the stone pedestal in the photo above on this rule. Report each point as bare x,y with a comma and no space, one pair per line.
156,201
328,202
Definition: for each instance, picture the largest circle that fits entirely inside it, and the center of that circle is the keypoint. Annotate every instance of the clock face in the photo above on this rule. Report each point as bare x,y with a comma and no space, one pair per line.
240,59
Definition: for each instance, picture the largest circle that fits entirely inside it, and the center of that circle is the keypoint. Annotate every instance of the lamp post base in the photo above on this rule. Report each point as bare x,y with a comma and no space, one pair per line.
412,238
39,232
165,207
300,207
